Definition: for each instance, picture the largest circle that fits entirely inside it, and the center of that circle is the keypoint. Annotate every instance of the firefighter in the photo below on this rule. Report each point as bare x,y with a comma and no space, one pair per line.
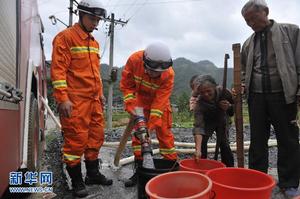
75,74
147,81
212,112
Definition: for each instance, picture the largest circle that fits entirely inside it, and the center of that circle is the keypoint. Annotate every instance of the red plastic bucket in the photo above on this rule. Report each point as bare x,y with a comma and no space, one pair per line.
202,166
179,184
240,183
145,174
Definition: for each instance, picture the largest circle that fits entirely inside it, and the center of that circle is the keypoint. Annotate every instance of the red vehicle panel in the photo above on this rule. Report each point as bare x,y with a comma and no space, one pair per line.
22,85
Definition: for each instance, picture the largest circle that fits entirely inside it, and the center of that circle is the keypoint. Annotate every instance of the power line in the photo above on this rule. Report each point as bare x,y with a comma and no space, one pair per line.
42,2
104,46
109,2
155,3
138,9
132,5
114,5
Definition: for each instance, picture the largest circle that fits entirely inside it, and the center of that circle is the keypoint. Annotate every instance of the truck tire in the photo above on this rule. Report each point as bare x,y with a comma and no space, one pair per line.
34,137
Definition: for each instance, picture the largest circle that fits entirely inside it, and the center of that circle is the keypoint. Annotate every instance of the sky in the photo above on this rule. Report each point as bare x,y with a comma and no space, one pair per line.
194,29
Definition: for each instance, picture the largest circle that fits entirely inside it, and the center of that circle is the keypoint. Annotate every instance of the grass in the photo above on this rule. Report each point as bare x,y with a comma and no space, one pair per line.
182,119
119,115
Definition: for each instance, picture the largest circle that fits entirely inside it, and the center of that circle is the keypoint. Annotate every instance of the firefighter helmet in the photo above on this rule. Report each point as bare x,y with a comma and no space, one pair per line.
93,7
157,57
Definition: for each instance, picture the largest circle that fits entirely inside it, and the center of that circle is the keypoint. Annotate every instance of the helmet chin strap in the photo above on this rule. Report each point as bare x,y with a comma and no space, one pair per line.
147,71
83,26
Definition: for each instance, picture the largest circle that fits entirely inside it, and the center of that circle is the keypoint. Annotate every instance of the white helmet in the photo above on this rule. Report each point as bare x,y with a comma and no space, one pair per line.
93,7
157,57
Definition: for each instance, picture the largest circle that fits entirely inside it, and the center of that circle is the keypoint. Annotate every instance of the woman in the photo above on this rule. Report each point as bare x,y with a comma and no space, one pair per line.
212,112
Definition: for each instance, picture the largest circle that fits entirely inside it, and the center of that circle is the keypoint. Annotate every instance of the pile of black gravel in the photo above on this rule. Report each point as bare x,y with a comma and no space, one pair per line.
52,162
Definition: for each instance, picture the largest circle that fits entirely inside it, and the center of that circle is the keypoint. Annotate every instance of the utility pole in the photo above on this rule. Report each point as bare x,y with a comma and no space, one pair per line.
54,19
71,13
111,64
111,60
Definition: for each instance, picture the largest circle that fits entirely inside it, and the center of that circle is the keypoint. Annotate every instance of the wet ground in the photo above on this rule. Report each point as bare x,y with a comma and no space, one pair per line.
61,185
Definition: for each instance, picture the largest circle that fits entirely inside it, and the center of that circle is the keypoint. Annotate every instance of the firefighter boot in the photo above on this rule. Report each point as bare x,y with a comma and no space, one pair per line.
132,181
78,186
93,175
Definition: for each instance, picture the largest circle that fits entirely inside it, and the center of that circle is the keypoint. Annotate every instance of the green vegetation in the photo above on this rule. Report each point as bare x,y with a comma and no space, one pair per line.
184,70
119,115
245,113
181,119
51,135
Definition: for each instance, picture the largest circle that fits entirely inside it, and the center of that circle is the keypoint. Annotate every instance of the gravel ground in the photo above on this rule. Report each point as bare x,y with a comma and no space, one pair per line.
61,185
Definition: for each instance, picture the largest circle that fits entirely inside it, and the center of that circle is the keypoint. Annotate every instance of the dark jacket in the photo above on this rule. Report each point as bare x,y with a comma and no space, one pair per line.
208,116
286,45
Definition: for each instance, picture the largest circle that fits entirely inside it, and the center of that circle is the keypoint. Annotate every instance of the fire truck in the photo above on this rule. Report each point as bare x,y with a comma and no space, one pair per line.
22,88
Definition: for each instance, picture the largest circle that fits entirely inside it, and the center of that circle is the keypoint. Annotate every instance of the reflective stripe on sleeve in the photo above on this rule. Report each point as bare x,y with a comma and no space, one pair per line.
150,85
156,112
137,148
59,84
129,97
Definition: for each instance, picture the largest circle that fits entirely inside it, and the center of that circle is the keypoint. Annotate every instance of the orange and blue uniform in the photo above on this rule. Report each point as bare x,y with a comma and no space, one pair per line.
75,74
153,95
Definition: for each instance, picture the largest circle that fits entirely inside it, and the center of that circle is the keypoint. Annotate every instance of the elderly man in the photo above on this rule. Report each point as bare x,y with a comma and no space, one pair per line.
271,71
